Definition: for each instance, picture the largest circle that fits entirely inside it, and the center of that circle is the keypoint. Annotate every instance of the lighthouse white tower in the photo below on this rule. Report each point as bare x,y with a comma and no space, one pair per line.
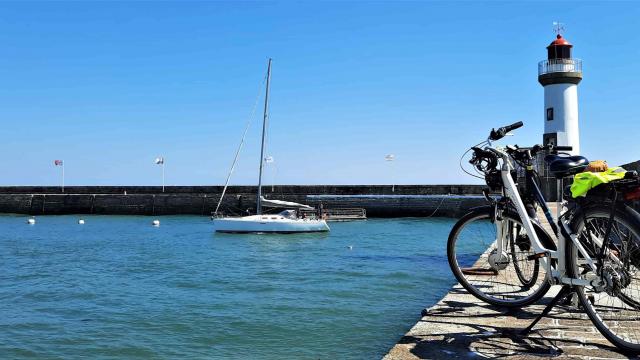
560,75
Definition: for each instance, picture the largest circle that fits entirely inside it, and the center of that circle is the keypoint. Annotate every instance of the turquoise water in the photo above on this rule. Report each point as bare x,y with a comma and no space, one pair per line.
117,287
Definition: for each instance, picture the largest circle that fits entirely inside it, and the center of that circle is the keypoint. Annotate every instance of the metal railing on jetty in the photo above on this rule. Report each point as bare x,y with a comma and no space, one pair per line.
338,214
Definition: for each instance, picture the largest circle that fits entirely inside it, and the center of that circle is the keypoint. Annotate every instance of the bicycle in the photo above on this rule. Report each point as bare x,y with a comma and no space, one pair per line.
502,254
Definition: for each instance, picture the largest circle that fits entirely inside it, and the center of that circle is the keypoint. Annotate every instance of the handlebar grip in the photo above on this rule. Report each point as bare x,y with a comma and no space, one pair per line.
501,132
513,126
563,148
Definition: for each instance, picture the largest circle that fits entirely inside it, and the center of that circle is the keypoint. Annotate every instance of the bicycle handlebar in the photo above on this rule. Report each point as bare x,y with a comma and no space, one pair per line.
526,154
487,158
497,134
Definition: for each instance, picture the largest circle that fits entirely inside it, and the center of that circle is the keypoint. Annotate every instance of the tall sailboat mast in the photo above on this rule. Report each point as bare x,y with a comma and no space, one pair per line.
264,128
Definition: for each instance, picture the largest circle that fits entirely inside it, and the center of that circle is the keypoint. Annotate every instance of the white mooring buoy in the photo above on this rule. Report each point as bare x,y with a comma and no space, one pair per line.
81,222
350,247
156,223
31,220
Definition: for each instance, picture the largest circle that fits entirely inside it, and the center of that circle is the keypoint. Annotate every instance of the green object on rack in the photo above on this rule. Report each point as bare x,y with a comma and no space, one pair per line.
586,181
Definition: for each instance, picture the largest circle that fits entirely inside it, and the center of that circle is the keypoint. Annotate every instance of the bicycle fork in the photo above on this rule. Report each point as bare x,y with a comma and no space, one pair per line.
499,260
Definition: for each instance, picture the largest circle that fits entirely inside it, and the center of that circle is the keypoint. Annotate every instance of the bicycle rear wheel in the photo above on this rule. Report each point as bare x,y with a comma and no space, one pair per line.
614,306
526,270
472,254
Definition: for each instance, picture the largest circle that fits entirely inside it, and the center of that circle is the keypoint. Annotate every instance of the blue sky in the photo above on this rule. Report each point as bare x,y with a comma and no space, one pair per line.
109,86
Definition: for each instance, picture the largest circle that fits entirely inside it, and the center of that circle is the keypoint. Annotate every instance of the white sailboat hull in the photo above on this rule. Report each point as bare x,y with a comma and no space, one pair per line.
268,224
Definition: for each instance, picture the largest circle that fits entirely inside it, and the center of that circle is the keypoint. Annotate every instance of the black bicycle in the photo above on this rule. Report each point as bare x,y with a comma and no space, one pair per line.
503,255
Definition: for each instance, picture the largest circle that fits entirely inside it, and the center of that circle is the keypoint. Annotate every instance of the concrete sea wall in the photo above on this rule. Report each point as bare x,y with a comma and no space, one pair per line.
378,200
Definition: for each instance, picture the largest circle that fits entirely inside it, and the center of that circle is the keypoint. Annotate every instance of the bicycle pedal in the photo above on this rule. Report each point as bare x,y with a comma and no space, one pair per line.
537,256
479,271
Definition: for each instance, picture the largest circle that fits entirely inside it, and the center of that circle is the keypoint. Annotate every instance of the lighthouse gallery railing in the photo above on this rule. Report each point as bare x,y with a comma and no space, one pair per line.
559,65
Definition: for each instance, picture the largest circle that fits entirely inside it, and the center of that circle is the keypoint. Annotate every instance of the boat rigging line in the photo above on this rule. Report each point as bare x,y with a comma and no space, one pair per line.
244,135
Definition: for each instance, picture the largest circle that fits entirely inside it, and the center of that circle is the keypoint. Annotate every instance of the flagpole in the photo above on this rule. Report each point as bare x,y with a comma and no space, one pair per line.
391,158
160,161
393,177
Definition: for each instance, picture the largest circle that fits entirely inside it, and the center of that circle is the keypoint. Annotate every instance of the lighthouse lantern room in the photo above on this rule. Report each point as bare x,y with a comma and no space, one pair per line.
560,75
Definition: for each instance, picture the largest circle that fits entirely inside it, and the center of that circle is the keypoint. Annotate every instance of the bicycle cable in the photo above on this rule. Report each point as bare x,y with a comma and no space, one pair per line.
464,154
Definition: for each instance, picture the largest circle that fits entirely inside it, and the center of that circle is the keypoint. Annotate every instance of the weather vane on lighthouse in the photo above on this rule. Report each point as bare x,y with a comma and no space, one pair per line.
558,28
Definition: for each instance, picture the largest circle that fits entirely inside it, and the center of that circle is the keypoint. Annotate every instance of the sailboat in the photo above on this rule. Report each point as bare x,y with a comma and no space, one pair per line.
286,221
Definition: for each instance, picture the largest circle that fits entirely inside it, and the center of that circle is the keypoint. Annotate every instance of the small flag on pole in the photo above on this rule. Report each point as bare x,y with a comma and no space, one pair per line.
61,164
268,159
390,158
160,161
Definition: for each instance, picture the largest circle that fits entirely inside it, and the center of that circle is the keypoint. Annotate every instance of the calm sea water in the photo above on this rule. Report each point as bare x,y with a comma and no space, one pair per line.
117,287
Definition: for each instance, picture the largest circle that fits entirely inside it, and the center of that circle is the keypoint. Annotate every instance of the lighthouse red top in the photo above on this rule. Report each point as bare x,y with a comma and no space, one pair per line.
560,41
560,48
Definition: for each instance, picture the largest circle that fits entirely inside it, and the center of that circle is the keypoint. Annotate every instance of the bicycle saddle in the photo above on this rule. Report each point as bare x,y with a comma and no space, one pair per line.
563,166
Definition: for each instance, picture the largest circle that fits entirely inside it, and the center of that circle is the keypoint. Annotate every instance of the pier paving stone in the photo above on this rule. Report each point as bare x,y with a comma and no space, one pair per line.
461,326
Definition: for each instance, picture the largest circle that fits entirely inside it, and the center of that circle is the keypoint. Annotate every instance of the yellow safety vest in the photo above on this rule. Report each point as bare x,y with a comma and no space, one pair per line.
586,181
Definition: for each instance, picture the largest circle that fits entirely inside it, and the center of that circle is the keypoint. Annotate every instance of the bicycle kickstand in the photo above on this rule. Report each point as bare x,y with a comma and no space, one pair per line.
562,294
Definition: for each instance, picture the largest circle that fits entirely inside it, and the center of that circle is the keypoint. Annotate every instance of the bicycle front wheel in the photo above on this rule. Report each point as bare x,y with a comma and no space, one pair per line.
492,277
613,302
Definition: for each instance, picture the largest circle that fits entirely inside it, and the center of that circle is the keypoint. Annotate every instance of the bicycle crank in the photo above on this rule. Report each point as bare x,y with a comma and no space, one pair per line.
498,261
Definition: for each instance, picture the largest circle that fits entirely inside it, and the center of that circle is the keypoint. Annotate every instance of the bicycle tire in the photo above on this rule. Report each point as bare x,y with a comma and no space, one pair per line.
612,330
507,299
520,271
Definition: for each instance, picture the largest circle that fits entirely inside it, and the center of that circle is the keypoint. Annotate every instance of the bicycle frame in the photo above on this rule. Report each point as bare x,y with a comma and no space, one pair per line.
561,229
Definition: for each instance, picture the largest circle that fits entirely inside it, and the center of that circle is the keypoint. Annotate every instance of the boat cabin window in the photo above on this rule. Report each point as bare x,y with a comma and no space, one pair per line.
288,214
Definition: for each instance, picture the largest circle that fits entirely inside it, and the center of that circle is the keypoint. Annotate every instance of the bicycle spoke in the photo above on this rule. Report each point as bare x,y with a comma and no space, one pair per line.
614,306
515,280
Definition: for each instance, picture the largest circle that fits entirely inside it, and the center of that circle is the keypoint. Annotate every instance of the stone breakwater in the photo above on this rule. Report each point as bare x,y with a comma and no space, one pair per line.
377,200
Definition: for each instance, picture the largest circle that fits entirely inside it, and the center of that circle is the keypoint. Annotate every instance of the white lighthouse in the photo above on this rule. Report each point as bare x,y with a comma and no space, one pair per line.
560,75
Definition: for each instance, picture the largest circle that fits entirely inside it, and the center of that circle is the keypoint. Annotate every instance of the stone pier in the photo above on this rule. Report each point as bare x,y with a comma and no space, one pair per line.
377,200
463,327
